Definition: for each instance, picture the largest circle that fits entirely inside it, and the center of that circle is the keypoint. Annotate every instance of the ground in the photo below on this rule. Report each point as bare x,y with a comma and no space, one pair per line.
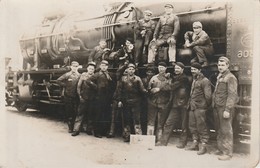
32,139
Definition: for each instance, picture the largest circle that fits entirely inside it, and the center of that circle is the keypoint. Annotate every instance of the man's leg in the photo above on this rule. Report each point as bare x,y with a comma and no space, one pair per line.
79,118
193,130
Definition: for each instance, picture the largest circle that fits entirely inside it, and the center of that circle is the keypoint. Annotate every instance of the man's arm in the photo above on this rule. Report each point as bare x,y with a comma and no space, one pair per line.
176,29
201,41
232,93
157,29
207,91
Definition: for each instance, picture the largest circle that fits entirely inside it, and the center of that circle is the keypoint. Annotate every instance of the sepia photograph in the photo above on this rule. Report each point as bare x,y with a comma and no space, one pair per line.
151,84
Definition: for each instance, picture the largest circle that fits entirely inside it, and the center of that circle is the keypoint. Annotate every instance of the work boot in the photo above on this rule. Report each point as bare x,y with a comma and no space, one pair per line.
181,145
217,152
194,145
159,134
75,133
224,157
202,149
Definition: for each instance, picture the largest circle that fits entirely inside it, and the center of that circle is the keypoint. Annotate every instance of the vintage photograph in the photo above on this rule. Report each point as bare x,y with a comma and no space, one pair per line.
129,84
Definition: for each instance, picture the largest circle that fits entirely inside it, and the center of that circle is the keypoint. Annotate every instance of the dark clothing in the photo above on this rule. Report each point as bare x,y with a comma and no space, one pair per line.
69,81
125,53
86,108
98,54
177,118
224,99
168,25
200,99
201,45
178,114
130,93
104,84
142,41
200,96
158,103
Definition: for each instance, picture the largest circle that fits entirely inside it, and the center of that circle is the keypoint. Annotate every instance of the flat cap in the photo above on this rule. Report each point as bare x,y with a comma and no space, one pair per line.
180,64
197,24
168,5
105,40
148,12
150,68
74,63
104,62
225,59
92,63
196,65
131,65
162,64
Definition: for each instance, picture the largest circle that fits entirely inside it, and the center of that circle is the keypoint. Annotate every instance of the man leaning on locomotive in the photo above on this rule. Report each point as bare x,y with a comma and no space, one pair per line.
167,98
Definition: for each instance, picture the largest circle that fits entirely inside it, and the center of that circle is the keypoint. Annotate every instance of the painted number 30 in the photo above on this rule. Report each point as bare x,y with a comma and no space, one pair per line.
245,53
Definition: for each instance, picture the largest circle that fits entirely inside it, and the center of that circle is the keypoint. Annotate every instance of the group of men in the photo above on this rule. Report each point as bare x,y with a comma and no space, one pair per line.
162,99
153,40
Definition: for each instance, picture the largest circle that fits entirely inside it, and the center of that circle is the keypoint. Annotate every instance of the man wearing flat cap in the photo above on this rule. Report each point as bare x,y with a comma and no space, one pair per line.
69,82
143,35
158,101
178,115
130,91
200,100
99,53
224,99
166,32
104,84
200,43
87,97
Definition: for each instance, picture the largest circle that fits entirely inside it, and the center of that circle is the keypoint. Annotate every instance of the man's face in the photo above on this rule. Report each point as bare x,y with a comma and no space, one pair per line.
168,10
161,69
178,70
197,30
194,71
102,44
149,73
131,71
91,69
147,17
222,66
74,68
103,67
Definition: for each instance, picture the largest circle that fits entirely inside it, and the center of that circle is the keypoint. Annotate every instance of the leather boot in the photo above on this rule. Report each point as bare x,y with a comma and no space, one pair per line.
202,149
181,144
194,145
138,130
159,134
150,130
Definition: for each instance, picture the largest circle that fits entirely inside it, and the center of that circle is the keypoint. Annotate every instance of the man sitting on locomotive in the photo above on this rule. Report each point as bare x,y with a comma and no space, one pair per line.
126,53
166,32
143,35
200,44
99,52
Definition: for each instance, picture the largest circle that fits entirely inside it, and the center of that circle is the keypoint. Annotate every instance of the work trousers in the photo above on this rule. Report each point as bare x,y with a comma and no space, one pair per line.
224,130
154,114
85,113
201,53
71,104
198,126
177,116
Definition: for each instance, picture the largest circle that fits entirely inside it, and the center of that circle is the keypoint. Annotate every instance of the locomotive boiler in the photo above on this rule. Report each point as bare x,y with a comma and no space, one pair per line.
60,39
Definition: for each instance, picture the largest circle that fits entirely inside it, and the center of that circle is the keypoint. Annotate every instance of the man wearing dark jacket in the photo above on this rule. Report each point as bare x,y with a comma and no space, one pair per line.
130,92
87,97
69,81
104,83
224,99
178,114
200,100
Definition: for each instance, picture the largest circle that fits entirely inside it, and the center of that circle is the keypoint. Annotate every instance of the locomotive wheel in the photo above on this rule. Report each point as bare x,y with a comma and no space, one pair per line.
21,106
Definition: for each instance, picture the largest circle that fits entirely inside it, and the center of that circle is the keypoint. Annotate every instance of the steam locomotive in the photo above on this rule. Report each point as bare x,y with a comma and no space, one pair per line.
64,38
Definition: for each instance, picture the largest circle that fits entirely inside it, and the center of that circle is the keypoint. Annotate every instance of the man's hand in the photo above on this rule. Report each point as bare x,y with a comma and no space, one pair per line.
81,99
226,114
171,40
187,44
153,40
120,104
143,33
155,90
